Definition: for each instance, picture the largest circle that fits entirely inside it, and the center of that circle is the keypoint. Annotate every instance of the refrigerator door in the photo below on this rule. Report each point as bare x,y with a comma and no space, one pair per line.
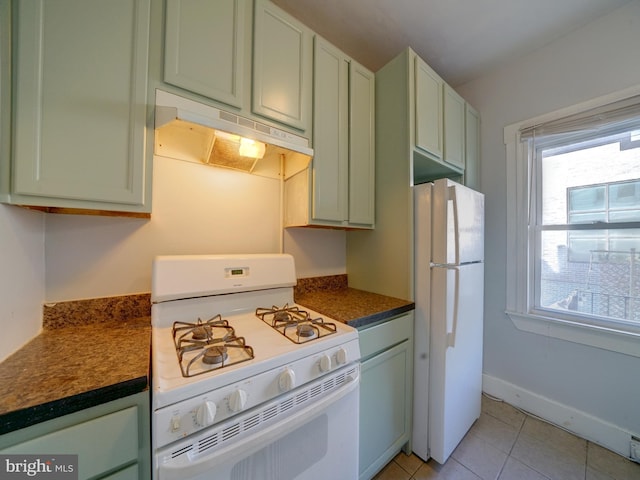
457,224
422,272
455,377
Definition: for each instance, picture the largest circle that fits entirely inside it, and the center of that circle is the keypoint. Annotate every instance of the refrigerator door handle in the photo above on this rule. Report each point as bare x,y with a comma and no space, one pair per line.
451,335
456,227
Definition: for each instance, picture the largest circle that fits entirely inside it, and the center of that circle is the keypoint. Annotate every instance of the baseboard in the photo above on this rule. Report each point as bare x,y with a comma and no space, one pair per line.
577,422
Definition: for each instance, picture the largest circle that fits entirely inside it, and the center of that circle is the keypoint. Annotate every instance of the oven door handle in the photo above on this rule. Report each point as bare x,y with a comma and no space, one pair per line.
252,443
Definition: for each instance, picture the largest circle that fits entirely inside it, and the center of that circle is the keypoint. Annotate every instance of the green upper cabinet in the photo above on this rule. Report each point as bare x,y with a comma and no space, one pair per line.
81,105
330,133
5,94
282,67
339,191
472,148
428,109
454,133
205,47
361,146
436,116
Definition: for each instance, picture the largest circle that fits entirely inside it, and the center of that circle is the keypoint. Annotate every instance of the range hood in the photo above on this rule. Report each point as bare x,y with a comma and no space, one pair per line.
195,132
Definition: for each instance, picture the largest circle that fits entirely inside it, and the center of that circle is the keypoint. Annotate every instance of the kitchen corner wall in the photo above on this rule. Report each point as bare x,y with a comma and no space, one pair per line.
196,210
594,60
21,276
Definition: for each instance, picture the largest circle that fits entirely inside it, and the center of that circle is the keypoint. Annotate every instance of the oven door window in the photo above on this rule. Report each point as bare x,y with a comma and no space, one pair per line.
289,457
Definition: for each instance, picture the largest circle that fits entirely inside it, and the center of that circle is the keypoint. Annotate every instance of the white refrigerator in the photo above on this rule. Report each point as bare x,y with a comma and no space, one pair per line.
449,292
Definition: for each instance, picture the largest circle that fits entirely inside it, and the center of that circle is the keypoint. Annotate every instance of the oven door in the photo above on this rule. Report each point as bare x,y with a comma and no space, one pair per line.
317,440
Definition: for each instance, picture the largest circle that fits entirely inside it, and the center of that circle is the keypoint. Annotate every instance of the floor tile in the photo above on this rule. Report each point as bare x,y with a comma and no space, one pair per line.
480,457
506,444
564,462
451,470
606,462
392,471
596,475
515,470
556,438
498,433
503,411
409,463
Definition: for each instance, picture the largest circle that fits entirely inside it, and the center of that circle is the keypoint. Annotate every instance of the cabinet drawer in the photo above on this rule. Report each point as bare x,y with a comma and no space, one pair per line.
101,444
385,335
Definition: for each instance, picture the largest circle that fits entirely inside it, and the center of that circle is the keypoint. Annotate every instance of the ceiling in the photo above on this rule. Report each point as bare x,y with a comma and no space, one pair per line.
460,39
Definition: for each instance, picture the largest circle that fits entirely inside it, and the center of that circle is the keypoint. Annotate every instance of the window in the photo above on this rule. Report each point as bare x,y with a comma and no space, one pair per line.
574,224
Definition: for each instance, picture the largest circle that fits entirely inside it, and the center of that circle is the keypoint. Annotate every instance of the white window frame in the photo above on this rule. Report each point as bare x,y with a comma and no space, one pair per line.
520,269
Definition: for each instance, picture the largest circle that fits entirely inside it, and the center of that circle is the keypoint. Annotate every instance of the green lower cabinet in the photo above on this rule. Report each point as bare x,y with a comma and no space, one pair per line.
111,440
386,393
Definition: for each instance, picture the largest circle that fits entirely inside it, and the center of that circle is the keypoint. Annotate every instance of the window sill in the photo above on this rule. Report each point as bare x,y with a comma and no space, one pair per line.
619,341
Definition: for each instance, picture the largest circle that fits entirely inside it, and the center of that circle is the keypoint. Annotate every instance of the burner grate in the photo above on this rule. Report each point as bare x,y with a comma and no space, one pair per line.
295,324
208,345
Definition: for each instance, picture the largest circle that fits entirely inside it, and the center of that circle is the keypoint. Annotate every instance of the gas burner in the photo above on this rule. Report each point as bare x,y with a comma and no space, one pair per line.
276,316
305,330
199,333
203,346
295,324
215,355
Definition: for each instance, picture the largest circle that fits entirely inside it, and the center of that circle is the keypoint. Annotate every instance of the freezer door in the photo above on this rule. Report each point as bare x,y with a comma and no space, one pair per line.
457,224
455,377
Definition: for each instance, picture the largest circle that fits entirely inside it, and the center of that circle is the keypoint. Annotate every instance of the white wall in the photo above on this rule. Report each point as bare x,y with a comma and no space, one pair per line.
21,276
196,209
595,60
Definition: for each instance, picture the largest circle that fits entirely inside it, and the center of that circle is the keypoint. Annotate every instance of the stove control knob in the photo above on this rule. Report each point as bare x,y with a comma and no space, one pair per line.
287,380
175,423
237,400
325,363
341,356
206,413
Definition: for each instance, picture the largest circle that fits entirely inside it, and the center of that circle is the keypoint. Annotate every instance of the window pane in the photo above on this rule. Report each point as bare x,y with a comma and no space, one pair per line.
624,195
625,216
594,272
575,175
587,217
587,199
584,246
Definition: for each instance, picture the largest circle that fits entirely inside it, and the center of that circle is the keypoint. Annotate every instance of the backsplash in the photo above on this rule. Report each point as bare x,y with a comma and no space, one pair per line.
96,310
124,307
329,282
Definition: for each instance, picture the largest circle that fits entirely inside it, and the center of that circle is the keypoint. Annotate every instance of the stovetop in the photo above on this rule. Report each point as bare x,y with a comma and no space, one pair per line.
246,321
270,349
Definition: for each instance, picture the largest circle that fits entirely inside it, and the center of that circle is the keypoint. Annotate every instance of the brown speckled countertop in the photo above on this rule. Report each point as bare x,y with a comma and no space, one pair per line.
332,297
89,352
93,351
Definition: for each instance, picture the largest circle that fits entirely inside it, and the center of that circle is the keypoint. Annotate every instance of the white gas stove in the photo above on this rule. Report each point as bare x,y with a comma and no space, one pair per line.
234,356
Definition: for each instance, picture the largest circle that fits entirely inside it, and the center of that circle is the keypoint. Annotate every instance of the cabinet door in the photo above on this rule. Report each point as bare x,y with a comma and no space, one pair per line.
81,102
454,113
472,148
204,47
282,67
428,112
361,146
102,444
384,422
330,133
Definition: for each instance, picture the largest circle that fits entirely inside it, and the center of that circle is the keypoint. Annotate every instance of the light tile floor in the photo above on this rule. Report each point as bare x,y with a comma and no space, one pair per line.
506,444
